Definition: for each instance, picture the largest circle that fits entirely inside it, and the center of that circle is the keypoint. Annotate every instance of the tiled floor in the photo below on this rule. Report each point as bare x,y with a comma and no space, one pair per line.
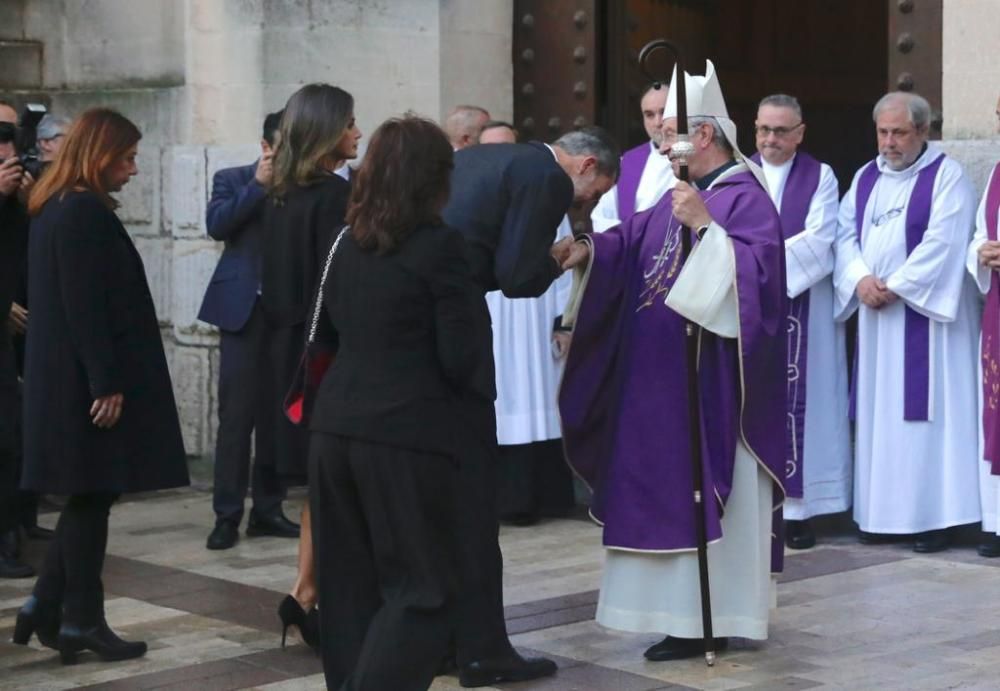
848,617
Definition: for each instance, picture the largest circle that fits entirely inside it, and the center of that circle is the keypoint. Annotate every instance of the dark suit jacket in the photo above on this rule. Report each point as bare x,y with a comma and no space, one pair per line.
93,333
403,323
233,217
507,200
297,234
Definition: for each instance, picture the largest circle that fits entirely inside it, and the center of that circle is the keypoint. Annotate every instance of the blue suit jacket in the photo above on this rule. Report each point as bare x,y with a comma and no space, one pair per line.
233,217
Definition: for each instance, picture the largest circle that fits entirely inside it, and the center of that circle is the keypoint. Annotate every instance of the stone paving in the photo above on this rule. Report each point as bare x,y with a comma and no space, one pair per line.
848,617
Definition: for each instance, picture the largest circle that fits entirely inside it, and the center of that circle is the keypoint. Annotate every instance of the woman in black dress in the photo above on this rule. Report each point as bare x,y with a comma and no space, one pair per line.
99,411
400,307
306,202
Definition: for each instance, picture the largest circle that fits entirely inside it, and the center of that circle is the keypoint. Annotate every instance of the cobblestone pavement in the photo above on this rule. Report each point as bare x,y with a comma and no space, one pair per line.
849,616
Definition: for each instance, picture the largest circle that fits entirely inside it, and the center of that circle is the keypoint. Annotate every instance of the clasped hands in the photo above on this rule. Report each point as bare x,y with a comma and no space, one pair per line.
989,255
874,293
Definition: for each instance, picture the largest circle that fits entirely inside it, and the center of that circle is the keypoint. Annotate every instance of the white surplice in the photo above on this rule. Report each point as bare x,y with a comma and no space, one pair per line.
913,476
651,592
657,178
989,484
826,446
527,371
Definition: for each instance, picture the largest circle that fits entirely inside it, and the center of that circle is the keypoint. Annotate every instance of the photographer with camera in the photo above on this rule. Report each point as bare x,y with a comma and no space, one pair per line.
13,236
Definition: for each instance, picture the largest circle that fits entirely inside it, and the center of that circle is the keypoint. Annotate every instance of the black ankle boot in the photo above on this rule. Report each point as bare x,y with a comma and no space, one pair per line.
40,618
100,639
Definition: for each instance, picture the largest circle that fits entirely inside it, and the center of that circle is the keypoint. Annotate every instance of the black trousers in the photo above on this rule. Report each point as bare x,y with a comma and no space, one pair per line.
480,628
9,458
534,480
382,524
245,407
71,571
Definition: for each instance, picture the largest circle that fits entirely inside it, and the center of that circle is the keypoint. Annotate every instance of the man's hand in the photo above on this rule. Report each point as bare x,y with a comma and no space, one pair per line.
10,176
560,343
989,254
27,182
579,253
689,208
18,319
874,293
265,169
560,251
106,410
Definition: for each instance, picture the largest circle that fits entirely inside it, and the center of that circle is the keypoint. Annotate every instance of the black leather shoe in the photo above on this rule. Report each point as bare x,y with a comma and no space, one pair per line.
39,618
990,546
520,520
12,568
223,536
100,639
799,535
874,538
291,614
510,667
671,648
37,532
932,541
274,526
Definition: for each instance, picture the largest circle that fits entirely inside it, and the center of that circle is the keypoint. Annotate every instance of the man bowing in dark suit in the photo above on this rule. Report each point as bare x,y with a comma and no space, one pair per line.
231,303
507,200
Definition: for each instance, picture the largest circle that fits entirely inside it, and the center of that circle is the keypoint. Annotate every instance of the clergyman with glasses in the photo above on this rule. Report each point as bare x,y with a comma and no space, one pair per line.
805,192
904,227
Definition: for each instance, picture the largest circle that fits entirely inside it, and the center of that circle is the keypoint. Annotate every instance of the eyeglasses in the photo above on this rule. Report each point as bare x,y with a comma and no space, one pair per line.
764,130
882,219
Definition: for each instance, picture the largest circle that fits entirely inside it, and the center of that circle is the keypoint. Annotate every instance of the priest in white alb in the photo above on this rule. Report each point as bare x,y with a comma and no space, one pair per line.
818,461
904,228
624,399
645,174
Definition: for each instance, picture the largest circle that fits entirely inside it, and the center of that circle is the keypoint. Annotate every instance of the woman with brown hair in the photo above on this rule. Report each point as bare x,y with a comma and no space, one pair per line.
400,306
99,411
306,203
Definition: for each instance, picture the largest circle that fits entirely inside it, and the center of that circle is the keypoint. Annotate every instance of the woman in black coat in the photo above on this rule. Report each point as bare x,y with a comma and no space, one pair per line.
99,411
400,306
306,202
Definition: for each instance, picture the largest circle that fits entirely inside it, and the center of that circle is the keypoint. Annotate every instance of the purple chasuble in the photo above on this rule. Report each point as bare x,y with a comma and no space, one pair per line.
916,328
800,186
633,163
991,339
623,398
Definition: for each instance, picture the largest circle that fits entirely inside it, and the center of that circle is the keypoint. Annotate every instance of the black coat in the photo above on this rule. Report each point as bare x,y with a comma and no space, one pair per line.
507,200
297,234
403,324
94,333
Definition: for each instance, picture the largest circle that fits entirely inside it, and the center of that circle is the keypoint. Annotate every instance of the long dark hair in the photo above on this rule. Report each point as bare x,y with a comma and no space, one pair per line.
314,120
403,182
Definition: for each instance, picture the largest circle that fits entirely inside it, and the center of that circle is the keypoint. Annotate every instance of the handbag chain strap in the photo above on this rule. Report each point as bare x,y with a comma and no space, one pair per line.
322,284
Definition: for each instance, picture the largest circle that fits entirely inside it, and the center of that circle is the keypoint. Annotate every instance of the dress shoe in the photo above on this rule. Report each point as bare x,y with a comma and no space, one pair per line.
100,639
37,532
291,614
39,618
12,568
223,536
990,546
10,544
509,667
874,538
932,541
275,525
520,520
671,648
799,535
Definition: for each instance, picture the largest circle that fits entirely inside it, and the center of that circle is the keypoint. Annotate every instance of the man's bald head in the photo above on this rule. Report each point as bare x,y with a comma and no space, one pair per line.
7,113
464,124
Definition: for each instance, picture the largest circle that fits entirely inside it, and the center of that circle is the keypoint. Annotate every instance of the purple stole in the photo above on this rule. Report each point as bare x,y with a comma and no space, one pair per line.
800,186
633,163
991,340
917,328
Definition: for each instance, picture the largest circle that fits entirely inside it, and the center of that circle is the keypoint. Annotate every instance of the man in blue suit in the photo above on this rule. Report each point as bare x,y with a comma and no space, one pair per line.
245,402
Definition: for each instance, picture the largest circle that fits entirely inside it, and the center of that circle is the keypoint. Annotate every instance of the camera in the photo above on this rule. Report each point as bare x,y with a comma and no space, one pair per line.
24,136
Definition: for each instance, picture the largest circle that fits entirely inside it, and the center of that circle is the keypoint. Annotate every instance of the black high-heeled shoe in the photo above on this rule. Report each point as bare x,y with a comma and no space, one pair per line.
292,614
100,639
39,618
